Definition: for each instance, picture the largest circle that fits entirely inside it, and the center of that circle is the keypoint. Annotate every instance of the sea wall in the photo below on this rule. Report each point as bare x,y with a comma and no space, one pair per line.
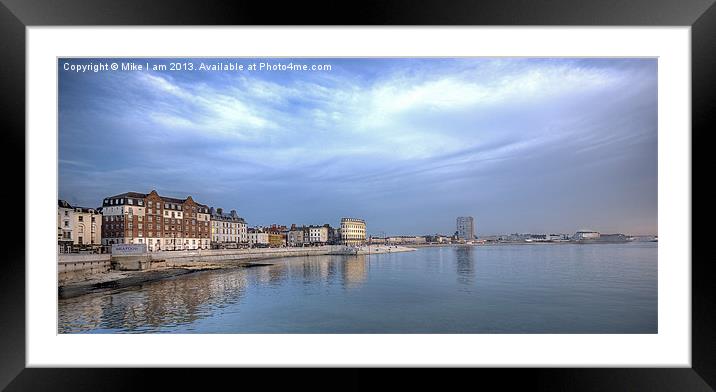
231,255
72,266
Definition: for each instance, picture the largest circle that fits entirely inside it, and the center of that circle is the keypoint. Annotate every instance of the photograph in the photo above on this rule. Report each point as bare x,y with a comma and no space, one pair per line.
357,195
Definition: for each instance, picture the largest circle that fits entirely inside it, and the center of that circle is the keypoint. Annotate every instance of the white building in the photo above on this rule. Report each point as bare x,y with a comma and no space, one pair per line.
585,235
353,231
407,239
466,228
77,227
295,236
227,230
256,237
318,234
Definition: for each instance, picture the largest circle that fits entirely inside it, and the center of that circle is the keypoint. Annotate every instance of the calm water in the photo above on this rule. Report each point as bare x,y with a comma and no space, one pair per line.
484,289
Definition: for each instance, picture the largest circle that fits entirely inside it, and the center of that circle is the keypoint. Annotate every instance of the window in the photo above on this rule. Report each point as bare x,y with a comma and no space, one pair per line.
67,223
159,205
93,220
130,201
67,213
79,218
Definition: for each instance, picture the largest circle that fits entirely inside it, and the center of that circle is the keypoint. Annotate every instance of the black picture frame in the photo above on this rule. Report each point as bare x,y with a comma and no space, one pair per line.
16,15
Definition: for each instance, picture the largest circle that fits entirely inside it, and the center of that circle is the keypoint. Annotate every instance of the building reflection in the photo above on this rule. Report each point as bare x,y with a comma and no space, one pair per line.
354,271
167,304
465,265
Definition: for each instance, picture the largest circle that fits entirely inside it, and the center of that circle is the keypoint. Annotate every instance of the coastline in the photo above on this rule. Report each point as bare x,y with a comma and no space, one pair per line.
118,279
184,263
115,279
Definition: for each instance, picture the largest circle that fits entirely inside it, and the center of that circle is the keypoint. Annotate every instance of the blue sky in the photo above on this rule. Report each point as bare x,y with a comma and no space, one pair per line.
523,145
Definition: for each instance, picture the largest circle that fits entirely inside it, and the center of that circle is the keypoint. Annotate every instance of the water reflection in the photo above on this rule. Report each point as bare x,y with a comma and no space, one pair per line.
354,271
465,265
533,289
165,304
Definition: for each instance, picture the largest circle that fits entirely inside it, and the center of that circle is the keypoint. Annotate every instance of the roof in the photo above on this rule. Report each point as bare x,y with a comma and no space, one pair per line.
129,194
138,195
65,204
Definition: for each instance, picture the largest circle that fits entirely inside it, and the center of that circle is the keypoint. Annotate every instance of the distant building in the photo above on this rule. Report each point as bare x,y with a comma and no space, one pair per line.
318,234
227,230
585,235
257,238
277,235
353,231
465,228
406,239
295,236
618,237
377,240
313,235
78,227
557,237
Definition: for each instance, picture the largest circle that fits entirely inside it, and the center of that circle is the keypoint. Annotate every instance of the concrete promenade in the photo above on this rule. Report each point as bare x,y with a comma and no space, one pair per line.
74,266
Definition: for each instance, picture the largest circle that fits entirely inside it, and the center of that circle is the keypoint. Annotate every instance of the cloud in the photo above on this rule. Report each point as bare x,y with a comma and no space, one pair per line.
397,132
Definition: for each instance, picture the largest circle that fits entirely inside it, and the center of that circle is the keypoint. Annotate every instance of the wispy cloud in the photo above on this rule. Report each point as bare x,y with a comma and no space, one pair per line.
370,129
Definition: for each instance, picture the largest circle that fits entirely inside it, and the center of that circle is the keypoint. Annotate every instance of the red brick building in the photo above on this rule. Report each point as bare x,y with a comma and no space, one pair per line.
160,222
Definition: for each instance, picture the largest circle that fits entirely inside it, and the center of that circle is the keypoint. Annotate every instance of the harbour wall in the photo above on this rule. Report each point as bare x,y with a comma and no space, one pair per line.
71,265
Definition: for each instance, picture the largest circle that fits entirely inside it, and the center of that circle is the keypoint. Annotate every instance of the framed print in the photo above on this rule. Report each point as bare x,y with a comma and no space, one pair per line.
426,186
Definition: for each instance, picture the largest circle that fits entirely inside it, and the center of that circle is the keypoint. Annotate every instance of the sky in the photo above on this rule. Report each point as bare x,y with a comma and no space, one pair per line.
526,145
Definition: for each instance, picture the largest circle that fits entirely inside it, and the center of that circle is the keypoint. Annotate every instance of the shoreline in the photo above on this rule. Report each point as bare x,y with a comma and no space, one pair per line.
89,283
115,279
118,279
527,243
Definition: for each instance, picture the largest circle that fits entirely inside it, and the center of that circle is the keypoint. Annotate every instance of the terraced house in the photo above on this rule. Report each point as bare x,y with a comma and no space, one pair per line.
160,222
227,230
78,228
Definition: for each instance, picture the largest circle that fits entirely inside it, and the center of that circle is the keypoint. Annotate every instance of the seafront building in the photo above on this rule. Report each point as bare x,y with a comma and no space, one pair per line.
353,231
312,235
160,222
78,228
585,235
465,228
295,236
406,239
277,235
318,235
257,237
227,230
